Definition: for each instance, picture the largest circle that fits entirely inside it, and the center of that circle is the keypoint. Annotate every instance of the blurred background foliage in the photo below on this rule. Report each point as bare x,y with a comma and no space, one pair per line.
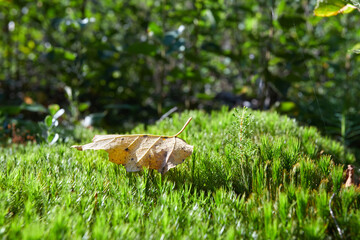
117,63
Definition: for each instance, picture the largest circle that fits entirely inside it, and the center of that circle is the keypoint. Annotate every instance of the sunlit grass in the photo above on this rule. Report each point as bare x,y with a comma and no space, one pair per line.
252,175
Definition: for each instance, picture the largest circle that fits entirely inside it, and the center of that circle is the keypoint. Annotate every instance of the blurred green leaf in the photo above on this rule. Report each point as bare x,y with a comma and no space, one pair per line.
155,29
48,121
328,8
53,138
281,7
69,55
355,49
286,107
84,106
33,108
53,108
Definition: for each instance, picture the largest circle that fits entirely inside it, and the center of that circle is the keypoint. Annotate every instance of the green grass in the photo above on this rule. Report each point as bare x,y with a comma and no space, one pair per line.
252,175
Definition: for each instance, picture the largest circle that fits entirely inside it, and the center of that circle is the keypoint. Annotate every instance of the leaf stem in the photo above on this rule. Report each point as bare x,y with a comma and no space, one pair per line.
187,122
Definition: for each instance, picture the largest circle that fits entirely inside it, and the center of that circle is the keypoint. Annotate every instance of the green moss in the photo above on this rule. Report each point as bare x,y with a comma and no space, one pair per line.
252,174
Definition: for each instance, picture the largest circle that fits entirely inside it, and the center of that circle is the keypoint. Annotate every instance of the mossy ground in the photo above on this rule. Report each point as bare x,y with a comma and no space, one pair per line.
252,175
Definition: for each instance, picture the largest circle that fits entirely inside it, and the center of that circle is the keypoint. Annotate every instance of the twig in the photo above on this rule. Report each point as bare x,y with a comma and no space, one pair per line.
174,109
333,216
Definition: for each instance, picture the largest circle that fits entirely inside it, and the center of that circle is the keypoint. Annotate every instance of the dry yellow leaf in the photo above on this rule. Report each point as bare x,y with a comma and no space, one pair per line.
137,151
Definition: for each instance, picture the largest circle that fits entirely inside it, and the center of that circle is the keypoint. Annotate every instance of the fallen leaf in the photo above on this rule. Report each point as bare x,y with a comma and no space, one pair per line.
137,151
